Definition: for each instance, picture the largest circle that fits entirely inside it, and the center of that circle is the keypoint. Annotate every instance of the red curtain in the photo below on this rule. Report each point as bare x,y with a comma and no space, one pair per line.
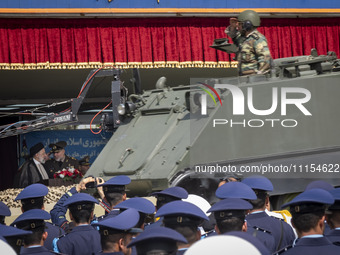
148,42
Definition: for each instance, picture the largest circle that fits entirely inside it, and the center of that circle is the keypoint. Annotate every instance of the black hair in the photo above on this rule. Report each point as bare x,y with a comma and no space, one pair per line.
163,199
230,224
81,212
32,203
188,231
260,202
2,220
304,222
109,238
35,237
333,219
141,221
114,198
157,246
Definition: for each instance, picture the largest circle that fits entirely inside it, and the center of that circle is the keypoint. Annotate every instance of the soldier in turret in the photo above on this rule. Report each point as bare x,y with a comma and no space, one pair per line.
253,54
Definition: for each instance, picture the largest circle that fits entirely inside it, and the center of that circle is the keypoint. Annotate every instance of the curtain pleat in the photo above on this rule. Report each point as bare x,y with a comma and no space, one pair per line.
149,42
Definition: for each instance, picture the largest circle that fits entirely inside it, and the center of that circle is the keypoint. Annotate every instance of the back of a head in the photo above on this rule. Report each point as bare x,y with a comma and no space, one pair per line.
32,203
308,208
36,236
81,212
161,247
250,19
158,240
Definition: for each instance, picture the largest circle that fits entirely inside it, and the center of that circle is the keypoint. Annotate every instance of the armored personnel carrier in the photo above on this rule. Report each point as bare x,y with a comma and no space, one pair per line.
284,125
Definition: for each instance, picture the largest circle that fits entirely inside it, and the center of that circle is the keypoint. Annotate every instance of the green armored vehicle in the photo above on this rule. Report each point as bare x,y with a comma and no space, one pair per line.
284,126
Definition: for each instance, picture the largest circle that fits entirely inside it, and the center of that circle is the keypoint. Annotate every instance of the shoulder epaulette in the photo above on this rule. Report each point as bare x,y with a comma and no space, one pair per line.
255,36
53,224
277,218
62,236
261,229
206,234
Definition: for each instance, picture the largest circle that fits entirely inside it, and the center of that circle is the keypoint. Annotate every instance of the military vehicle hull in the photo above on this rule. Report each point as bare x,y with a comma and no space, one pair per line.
285,127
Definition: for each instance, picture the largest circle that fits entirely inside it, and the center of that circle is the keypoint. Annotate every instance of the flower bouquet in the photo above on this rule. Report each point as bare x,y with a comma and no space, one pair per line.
68,176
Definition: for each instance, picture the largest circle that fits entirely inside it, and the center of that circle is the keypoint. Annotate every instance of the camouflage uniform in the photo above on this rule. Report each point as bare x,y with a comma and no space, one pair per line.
253,55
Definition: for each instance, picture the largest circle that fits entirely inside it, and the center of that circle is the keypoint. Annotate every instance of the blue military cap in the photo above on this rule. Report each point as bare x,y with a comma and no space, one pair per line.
116,184
31,219
56,147
177,192
336,195
310,200
32,191
4,210
8,231
230,207
235,190
80,197
320,185
119,180
258,182
140,204
123,222
181,208
231,204
157,235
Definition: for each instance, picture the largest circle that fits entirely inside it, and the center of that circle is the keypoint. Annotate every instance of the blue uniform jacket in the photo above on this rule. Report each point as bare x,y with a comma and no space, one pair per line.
37,250
264,237
53,232
82,240
275,226
334,236
112,253
327,229
313,246
59,211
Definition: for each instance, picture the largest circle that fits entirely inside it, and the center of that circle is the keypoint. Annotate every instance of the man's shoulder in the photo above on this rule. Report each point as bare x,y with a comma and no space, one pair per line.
50,161
50,225
70,159
256,36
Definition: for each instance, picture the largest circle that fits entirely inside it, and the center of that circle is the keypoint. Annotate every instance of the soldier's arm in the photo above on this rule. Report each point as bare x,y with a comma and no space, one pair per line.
58,213
263,55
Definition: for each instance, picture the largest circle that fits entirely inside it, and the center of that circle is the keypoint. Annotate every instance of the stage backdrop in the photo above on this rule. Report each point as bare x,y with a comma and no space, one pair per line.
149,42
80,143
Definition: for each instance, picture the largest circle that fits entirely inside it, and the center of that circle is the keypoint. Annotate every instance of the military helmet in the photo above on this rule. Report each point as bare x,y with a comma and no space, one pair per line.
250,15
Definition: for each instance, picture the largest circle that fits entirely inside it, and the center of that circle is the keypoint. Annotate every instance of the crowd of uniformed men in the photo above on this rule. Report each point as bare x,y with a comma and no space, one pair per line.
178,223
